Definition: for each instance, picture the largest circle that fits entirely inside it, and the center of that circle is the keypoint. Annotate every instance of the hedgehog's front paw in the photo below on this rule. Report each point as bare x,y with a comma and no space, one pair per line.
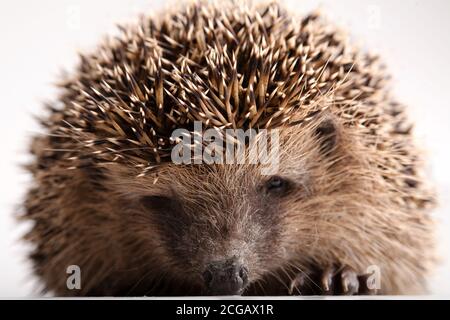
330,281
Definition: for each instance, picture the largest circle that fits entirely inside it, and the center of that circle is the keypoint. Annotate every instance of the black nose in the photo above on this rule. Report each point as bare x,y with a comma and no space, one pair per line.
225,278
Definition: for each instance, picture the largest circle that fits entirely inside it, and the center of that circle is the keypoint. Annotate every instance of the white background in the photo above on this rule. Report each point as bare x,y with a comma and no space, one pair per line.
40,38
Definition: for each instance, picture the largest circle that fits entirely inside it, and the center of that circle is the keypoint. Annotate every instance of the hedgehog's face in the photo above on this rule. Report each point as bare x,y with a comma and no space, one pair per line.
226,226
220,224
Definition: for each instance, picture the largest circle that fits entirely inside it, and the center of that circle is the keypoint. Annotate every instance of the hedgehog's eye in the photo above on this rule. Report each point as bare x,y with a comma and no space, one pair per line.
276,185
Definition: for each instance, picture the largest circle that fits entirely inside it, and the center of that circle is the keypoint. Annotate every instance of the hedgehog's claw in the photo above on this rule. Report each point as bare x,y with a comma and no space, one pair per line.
330,281
349,281
297,284
326,280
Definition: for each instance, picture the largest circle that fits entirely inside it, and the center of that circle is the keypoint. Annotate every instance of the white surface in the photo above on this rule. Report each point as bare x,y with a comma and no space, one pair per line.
40,38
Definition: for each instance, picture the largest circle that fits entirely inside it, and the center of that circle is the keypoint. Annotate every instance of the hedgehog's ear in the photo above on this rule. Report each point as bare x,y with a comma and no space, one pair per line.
327,133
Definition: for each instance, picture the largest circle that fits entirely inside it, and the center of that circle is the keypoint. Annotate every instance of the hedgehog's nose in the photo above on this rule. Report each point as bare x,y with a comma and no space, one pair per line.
225,278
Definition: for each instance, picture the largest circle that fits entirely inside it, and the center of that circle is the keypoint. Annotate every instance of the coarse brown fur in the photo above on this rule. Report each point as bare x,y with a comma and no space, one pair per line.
107,198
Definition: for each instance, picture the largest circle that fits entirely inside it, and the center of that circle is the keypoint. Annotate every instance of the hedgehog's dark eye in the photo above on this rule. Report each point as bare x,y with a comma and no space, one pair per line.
277,185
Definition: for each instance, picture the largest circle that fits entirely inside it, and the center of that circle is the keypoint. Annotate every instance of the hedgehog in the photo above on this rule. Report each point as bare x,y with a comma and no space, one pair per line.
347,202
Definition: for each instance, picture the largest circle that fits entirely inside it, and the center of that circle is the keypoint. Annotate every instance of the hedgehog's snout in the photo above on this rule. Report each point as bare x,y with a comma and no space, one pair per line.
228,277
